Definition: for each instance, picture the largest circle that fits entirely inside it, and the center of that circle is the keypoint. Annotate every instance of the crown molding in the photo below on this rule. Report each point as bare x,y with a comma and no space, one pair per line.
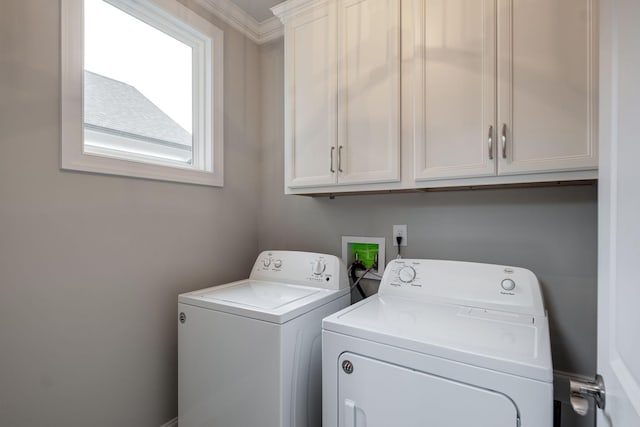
293,7
271,29
236,17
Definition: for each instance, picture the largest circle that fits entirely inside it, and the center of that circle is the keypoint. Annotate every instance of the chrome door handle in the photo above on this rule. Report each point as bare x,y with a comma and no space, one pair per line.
504,141
490,142
581,390
340,159
331,160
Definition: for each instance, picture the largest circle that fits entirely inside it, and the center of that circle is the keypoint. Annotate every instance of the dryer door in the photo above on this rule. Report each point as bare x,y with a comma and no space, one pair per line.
372,393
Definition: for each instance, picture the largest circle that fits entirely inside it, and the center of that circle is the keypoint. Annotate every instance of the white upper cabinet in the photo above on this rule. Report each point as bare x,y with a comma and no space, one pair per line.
342,92
503,92
310,97
454,88
369,91
546,85
384,95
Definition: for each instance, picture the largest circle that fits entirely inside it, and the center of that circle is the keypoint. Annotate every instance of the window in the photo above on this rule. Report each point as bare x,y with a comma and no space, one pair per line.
141,90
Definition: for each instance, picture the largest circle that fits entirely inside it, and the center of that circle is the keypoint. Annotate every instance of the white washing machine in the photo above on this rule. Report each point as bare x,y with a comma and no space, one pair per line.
250,351
443,344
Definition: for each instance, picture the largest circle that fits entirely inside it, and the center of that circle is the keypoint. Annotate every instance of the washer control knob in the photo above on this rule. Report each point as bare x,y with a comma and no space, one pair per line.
266,262
318,267
277,263
407,274
508,284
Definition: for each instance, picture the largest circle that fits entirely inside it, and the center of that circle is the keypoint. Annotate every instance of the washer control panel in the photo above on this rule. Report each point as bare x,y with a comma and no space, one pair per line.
318,266
465,283
303,268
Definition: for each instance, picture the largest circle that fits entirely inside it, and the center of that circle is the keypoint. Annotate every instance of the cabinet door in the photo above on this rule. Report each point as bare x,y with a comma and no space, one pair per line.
310,98
454,89
546,85
369,91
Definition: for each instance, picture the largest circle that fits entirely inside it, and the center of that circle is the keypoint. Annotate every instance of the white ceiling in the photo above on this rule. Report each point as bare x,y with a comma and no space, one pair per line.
259,9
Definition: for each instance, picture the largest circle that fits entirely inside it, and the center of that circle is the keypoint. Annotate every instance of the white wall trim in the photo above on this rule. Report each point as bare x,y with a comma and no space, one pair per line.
232,14
172,423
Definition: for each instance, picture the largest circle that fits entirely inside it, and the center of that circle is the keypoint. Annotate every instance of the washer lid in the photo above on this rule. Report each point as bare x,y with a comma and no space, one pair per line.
261,295
513,343
269,301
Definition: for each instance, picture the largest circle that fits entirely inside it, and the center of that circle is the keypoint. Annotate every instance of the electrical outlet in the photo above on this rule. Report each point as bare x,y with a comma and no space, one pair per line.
400,230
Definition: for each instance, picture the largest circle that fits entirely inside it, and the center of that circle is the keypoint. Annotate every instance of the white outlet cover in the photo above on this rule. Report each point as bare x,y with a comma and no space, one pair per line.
400,230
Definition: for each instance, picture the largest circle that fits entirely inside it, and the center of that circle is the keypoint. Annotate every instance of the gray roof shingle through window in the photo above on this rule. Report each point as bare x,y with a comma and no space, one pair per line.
115,107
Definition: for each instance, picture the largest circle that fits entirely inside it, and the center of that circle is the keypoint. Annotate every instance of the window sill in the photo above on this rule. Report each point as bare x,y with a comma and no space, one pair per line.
110,166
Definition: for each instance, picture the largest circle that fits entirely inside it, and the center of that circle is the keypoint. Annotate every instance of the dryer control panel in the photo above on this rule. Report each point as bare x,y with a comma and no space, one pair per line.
489,286
301,268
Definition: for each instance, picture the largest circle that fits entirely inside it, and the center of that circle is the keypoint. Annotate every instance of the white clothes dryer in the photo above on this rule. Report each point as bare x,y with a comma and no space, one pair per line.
250,351
444,344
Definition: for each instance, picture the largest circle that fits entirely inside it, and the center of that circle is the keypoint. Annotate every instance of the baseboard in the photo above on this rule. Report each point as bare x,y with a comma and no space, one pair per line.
172,423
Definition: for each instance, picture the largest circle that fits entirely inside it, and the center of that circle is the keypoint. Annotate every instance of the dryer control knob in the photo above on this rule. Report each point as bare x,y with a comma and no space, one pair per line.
277,263
266,262
508,284
318,267
407,274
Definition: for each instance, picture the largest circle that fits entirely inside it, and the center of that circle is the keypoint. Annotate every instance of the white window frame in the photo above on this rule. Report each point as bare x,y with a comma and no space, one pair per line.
207,165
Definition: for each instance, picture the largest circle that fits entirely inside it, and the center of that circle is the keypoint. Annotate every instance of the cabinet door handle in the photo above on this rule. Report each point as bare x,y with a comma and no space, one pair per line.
504,140
331,160
340,159
490,142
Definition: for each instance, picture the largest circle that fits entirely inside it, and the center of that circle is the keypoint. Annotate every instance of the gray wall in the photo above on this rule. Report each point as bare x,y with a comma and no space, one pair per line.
91,265
551,231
